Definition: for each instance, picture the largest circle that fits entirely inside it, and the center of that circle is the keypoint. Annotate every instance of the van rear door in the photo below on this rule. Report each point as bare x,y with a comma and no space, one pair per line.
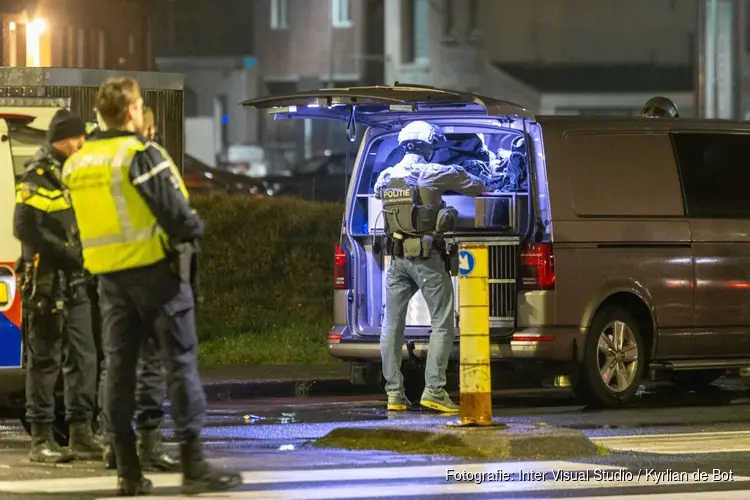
382,108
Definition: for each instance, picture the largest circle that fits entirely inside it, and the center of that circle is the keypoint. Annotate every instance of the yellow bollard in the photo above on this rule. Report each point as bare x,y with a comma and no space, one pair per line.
474,334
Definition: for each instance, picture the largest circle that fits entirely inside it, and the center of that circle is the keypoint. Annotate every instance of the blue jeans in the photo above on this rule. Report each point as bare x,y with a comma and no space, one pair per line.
403,278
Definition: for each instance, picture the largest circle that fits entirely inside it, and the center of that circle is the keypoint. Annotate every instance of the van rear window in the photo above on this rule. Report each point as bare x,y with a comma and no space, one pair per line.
480,154
497,156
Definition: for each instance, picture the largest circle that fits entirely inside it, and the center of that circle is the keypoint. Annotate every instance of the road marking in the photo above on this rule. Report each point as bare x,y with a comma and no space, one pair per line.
683,443
449,488
704,495
103,483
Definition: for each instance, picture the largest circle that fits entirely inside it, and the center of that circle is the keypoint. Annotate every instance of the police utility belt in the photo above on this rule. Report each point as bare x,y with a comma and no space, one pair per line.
49,292
413,247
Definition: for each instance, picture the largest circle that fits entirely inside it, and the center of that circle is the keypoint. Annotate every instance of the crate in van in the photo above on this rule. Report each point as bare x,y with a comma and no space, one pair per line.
624,256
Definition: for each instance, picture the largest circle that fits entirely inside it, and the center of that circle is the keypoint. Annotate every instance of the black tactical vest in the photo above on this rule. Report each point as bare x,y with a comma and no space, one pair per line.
408,209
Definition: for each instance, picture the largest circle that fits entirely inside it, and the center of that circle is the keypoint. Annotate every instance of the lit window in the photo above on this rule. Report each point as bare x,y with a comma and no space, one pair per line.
341,13
279,9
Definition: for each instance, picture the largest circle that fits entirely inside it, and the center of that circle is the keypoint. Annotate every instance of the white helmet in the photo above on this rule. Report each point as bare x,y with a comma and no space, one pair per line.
420,131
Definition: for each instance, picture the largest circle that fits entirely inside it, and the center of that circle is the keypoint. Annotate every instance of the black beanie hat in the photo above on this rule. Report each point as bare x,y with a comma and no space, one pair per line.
65,125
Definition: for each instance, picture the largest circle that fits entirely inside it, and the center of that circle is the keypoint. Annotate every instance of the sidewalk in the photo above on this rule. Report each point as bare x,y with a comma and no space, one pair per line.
223,383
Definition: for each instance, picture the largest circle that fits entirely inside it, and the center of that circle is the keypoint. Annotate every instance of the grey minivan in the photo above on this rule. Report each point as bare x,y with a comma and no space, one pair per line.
624,255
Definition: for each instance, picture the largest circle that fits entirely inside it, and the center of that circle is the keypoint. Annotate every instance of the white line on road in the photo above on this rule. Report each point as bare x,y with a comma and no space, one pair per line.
704,495
449,488
103,483
682,443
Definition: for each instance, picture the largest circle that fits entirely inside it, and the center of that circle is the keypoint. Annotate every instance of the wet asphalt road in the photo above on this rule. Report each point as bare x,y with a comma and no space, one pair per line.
271,440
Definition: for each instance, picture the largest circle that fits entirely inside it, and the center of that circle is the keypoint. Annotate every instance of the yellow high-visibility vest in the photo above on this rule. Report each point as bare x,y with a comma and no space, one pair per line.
117,229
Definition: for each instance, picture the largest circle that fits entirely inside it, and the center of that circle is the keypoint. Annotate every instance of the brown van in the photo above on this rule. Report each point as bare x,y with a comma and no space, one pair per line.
621,250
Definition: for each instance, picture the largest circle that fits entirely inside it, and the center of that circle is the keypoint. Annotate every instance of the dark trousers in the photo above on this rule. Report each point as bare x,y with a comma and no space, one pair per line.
71,348
150,389
149,302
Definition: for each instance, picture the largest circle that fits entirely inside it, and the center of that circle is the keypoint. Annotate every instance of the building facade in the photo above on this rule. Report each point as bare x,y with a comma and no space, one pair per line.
311,44
562,56
434,42
98,34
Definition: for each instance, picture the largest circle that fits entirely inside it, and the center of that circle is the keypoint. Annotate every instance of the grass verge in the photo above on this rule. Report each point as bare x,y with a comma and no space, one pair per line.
296,343
266,273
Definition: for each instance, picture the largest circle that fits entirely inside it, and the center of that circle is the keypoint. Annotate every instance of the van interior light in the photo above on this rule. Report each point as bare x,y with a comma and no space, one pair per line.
12,26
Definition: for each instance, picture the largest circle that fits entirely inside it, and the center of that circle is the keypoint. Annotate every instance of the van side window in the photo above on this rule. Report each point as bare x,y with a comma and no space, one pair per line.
715,171
627,174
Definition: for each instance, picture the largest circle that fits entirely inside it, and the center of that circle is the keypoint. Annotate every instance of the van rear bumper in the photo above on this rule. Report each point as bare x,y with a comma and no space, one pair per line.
534,343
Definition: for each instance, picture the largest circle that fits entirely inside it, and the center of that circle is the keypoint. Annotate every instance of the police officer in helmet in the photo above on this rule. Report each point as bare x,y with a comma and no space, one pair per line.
54,295
415,218
150,390
134,215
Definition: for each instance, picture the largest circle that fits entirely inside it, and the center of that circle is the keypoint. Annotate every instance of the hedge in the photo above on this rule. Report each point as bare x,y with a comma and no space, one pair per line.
266,274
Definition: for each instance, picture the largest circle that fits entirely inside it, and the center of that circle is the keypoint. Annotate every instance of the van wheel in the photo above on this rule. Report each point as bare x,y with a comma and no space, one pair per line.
613,359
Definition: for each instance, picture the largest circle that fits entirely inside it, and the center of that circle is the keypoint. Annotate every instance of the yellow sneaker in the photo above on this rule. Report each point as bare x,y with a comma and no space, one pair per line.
443,404
398,402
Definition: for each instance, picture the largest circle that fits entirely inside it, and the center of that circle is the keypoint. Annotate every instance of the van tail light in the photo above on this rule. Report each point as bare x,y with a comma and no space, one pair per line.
538,267
339,268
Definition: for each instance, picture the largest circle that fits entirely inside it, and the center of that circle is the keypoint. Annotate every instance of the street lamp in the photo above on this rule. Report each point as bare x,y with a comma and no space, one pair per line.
38,26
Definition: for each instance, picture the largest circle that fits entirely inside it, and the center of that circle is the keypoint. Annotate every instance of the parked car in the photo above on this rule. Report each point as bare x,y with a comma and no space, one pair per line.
628,257
321,178
199,177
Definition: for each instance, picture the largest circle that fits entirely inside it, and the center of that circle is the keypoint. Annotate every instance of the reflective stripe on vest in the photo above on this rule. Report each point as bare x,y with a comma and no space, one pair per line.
132,245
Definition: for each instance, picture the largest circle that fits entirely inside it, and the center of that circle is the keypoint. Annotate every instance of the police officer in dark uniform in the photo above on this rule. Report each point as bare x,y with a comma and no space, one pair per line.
134,215
54,294
150,389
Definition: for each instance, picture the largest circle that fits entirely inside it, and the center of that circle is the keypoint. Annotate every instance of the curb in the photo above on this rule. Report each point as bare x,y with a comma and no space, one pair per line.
242,389
235,389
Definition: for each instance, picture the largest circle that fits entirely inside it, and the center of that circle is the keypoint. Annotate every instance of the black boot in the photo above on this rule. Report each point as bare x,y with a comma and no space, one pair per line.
198,476
130,480
108,457
108,452
152,454
82,443
44,448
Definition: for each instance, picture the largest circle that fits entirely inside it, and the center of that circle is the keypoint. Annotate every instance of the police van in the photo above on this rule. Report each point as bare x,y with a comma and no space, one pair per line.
23,125
623,254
